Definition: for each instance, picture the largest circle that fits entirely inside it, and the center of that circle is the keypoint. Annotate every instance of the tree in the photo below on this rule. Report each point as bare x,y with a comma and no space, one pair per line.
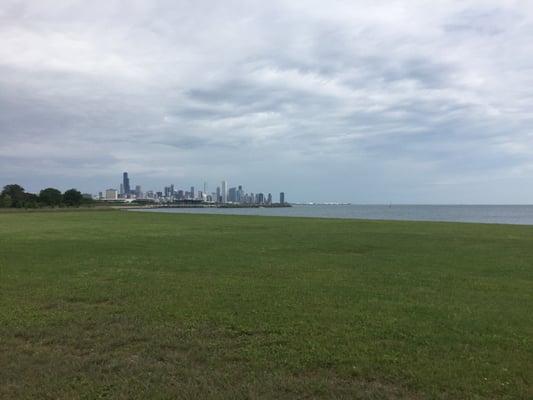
5,201
30,200
16,193
72,197
51,197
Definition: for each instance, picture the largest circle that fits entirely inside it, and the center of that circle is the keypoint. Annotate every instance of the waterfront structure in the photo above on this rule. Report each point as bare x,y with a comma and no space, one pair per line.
111,194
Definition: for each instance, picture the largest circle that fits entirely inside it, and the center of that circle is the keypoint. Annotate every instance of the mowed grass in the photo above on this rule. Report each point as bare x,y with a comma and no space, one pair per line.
142,305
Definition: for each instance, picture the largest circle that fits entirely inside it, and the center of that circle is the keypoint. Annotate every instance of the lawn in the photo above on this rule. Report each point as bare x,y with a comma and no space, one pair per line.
132,305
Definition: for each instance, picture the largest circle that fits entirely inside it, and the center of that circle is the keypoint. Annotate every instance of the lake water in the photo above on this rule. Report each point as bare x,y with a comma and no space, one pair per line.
505,214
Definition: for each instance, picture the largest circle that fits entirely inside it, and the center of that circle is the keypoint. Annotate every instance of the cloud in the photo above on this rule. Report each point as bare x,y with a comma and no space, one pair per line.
356,101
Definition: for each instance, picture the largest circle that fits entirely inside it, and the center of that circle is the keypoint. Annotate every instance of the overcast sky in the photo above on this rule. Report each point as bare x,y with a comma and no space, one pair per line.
362,101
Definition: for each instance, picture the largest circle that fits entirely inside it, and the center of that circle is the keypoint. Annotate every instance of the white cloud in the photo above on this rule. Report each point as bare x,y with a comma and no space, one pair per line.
263,92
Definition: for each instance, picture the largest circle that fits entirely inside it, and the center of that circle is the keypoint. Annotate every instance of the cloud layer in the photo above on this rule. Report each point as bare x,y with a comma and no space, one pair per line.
367,101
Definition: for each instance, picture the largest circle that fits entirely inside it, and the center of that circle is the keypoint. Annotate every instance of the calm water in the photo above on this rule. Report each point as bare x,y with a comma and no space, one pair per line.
472,213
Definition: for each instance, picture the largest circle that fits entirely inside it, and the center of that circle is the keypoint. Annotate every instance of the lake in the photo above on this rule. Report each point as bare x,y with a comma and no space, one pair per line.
499,214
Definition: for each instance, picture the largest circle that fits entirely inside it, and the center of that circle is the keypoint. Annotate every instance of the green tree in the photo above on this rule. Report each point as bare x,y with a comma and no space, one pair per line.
30,200
5,201
16,193
50,197
72,197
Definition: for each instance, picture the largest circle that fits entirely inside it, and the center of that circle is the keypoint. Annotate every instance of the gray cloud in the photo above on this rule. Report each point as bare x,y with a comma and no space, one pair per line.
367,101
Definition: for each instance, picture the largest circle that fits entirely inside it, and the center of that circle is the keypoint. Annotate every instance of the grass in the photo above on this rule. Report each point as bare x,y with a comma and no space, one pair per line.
145,305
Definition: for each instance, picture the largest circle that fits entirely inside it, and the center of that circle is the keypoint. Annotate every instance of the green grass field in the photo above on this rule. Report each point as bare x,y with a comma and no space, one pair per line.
143,305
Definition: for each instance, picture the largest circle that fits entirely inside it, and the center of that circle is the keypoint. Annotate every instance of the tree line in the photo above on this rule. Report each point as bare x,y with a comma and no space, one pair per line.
14,196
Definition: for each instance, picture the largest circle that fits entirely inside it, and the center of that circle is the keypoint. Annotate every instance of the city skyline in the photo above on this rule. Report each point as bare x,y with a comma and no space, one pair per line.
221,195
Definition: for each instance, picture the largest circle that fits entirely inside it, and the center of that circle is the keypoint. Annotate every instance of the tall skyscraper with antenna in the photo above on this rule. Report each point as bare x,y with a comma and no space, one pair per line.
126,183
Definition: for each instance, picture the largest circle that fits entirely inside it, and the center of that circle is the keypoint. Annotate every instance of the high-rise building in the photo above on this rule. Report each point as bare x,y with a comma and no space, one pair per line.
121,191
111,194
240,194
192,192
218,196
269,198
126,183
224,192
232,195
282,198
138,192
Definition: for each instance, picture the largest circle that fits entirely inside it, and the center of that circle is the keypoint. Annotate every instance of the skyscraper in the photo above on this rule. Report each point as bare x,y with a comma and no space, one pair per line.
282,198
232,195
126,183
240,194
224,193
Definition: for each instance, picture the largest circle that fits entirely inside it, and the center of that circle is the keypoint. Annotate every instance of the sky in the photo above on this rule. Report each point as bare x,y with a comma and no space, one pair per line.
357,101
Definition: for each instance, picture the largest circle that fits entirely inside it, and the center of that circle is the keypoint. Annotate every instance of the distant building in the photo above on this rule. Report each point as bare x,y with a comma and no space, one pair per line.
282,198
126,183
218,195
100,195
111,194
121,191
224,192
240,195
232,195
192,192
269,198
138,192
